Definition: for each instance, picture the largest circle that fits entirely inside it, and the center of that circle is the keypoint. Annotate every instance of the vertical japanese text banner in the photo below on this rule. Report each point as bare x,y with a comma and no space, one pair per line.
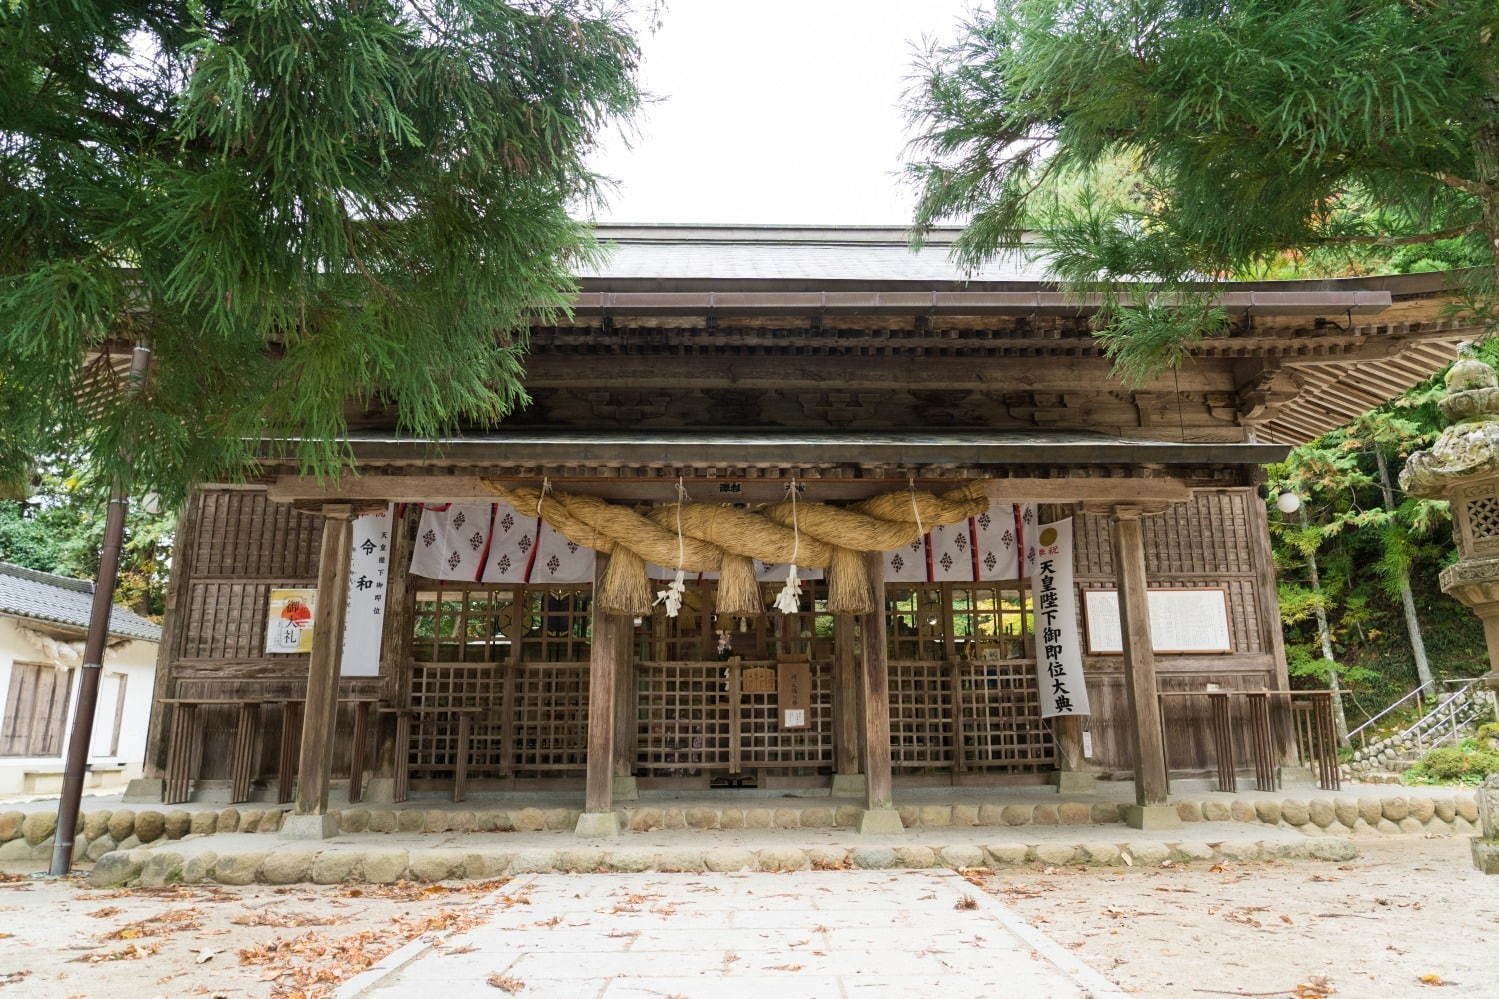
369,565
1059,659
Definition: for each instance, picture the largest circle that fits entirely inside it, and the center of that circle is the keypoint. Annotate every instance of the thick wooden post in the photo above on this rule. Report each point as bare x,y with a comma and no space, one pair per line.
880,816
598,817
625,733
847,775
320,709
1150,809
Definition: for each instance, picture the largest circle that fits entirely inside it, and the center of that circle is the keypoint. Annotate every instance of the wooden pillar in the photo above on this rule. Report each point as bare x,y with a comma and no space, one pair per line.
880,815
1139,667
625,729
603,668
320,709
845,697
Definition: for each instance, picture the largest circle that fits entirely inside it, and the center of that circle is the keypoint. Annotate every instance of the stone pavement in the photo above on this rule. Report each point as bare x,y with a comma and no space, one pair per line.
823,935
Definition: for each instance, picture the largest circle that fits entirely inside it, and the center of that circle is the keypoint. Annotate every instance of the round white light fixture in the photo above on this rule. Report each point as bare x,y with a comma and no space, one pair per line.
151,503
1288,502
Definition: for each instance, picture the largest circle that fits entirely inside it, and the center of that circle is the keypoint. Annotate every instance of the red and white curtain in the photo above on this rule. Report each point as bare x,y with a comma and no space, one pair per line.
495,543
997,544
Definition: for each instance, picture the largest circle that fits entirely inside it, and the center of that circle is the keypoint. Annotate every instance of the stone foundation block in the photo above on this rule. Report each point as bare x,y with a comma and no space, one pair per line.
1321,813
238,869
688,861
758,818
10,825
1148,854
628,861
533,862
178,824
702,818
1074,813
287,867
827,858
1486,855
95,824
1467,806
961,857
1242,811
916,856
383,822
728,860
1387,827
162,867
847,816
1054,854
1017,815
114,870
99,847
1410,824
965,815
676,818
1268,811
1240,850
1395,809
529,820
121,823
817,818
1215,811
334,867
1370,810
874,857
1104,813
149,826
1330,848
436,865
597,825
203,823
1007,854
198,868
788,818
1073,781
782,859
1189,811
38,826
1044,815
1151,817
129,843
304,827
1345,810
1422,809
383,867
1444,809
1190,850
1106,854
558,819
228,820
16,849
991,815
880,822
908,816
645,819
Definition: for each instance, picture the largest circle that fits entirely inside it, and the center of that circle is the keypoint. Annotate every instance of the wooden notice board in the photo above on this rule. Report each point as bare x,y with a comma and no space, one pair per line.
794,692
1183,620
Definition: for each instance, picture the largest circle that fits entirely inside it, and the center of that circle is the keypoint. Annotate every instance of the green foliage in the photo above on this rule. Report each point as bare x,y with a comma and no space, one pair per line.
1467,764
61,527
1260,135
1365,550
309,209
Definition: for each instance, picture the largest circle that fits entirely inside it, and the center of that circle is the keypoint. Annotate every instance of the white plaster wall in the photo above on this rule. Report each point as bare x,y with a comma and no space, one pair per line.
135,659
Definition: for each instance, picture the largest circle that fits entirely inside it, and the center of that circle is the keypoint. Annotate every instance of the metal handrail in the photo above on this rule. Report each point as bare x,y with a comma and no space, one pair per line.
1445,705
1359,731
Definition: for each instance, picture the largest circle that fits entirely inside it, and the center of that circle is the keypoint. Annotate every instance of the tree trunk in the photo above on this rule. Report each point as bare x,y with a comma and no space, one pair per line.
1407,601
1324,635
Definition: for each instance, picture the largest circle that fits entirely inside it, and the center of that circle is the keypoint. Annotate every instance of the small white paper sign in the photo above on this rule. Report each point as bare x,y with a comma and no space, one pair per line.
795,718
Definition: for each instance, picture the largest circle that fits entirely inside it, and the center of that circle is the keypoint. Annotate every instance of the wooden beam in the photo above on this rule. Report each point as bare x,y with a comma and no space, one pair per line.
625,730
438,488
1139,657
876,674
603,669
320,714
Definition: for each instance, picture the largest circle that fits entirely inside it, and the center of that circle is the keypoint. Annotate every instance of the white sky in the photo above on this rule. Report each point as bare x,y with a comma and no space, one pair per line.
773,111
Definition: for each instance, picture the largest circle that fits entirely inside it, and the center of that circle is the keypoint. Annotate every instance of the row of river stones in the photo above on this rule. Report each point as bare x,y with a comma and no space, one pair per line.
29,835
22,834
162,865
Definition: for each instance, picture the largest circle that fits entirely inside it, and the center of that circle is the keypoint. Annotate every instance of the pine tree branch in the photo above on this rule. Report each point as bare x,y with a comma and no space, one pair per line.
1477,188
1412,240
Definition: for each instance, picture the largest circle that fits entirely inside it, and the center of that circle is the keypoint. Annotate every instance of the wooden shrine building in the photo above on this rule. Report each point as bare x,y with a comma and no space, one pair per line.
736,369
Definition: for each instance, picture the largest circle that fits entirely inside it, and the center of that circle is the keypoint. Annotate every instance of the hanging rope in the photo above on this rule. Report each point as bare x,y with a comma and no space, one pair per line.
789,600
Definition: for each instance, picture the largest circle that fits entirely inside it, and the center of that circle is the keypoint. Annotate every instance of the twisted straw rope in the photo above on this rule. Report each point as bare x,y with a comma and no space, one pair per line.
719,538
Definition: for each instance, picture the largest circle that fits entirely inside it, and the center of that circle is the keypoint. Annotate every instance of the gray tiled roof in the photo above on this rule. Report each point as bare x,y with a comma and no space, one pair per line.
791,253
42,596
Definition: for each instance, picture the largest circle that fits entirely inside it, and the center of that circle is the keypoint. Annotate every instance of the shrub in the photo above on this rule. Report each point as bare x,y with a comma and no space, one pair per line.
1465,764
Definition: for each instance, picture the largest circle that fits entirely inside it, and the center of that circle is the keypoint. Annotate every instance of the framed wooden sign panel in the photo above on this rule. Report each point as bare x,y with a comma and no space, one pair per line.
1183,621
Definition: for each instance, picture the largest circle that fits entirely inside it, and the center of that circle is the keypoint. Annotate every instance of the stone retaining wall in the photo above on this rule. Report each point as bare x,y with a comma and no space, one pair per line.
163,864
29,836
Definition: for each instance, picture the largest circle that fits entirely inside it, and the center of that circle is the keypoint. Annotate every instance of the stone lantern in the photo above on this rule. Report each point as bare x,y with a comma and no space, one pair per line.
1462,467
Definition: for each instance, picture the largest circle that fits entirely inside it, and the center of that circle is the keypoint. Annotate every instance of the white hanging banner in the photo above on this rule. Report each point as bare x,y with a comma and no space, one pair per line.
450,541
369,571
1059,659
997,544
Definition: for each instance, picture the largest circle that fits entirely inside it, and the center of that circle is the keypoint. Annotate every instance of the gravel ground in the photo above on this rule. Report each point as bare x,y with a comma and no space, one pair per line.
1410,917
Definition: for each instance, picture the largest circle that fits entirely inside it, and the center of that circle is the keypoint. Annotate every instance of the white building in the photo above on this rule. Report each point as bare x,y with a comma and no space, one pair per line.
43,619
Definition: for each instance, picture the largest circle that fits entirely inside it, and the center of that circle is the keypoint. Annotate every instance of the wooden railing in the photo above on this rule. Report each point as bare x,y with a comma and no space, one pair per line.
1314,737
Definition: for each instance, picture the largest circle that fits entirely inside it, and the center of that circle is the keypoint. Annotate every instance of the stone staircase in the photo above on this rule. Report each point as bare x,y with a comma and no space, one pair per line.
1447,723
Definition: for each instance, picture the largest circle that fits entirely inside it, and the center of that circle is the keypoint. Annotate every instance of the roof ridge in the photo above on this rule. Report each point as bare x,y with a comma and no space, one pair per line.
50,578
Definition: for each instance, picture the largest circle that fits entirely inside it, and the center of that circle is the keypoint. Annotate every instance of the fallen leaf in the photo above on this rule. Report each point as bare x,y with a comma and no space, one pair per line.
205,955
504,983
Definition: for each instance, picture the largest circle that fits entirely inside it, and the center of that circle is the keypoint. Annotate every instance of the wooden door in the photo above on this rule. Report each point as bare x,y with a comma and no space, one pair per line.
36,710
